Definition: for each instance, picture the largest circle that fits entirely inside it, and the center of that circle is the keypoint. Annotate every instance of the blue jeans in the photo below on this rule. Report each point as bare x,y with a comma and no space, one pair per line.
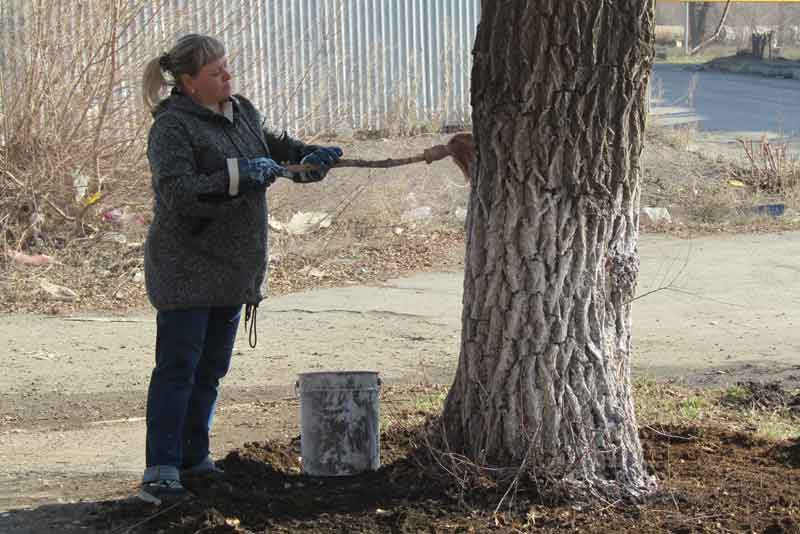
193,352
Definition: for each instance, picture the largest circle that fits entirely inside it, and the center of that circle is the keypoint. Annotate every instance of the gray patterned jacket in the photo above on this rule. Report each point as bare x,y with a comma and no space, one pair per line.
205,247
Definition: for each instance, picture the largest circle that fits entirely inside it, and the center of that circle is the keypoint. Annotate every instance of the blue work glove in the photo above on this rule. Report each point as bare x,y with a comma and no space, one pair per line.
324,158
258,174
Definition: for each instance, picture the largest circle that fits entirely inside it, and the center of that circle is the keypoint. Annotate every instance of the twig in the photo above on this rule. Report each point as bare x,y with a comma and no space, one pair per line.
671,436
701,297
98,319
49,202
13,178
643,295
670,285
716,33
610,505
343,205
126,277
24,236
532,440
112,57
131,528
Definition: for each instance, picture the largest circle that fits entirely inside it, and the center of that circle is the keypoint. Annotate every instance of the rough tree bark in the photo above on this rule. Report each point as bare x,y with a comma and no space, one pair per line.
558,94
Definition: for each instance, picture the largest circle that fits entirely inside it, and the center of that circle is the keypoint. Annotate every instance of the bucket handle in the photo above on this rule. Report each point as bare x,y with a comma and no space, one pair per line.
297,388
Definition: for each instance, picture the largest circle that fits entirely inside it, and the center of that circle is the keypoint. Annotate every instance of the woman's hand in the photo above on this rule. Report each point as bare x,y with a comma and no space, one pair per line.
323,158
256,174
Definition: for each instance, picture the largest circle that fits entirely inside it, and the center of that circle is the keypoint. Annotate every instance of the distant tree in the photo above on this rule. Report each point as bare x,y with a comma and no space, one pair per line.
698,16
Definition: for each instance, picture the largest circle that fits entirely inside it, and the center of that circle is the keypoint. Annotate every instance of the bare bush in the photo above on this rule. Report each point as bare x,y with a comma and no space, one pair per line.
70,139
771,169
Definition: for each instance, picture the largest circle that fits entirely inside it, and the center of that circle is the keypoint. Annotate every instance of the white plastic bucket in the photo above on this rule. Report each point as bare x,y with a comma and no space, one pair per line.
339,422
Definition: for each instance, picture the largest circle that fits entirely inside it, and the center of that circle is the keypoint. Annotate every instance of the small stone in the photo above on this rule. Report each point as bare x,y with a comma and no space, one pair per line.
57,292
420,214
114,237
656,215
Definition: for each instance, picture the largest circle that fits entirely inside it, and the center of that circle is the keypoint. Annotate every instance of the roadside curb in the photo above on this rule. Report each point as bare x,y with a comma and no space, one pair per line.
776,68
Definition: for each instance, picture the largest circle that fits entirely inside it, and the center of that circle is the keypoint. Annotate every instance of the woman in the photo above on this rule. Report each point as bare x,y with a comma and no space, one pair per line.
206,251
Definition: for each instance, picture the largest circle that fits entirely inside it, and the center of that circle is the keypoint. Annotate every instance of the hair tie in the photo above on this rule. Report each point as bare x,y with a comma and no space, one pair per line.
164,61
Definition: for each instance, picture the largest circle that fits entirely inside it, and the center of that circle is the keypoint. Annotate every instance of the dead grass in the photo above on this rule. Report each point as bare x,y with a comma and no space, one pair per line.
667,405
657,404
714,194
679,137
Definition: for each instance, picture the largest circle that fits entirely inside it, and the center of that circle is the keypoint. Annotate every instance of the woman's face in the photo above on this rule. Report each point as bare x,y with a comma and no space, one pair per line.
211,85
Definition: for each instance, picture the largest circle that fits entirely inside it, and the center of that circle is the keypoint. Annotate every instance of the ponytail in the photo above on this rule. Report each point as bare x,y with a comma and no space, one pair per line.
153,81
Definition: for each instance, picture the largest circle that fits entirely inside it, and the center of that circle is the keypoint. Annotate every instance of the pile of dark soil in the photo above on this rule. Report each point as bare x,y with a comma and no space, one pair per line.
711,480
758,396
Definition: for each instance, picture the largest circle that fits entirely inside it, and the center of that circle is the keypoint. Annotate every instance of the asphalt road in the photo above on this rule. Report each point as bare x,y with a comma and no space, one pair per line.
731,105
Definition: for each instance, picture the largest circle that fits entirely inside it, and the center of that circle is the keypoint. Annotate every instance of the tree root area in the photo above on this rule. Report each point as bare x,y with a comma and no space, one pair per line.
710,480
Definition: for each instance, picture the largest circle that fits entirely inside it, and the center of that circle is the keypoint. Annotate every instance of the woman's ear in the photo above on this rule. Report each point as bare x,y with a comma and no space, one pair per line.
187,84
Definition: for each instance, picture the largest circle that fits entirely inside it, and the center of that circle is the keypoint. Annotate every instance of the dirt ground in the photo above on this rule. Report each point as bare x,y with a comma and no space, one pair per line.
71,423
711,481
386,295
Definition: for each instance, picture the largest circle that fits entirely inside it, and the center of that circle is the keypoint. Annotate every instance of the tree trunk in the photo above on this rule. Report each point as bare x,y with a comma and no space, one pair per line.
698,15
558,94
762,42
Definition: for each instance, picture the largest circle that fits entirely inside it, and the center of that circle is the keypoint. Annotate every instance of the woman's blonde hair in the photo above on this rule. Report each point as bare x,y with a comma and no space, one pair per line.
188,56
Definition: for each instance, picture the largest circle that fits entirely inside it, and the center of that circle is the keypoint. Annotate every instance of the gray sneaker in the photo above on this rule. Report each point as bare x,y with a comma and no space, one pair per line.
161,491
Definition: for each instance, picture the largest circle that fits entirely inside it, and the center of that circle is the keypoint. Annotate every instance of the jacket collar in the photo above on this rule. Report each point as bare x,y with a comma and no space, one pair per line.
177,100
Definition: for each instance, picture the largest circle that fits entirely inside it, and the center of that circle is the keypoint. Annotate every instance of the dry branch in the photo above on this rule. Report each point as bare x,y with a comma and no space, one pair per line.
461,148
47,200
711,39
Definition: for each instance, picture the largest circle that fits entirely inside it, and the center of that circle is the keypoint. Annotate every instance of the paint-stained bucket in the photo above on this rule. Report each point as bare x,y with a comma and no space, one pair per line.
339,422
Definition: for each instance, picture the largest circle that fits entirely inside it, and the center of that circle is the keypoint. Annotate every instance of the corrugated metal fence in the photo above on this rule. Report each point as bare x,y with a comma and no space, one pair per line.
309,65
